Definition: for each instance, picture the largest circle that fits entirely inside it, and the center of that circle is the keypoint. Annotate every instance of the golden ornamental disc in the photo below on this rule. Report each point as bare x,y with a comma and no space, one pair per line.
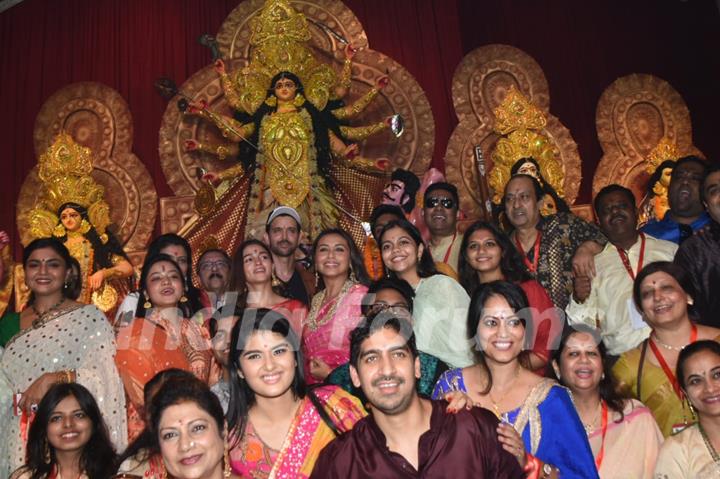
204,202
105,299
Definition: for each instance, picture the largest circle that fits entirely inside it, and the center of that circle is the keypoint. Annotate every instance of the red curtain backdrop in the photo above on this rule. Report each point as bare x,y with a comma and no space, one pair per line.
582,47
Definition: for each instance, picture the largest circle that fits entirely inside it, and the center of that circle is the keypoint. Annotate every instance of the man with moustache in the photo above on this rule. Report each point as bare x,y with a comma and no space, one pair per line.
606,300
401,190
406,436
282,235
554,248
440,212
700,255
213,268
686,213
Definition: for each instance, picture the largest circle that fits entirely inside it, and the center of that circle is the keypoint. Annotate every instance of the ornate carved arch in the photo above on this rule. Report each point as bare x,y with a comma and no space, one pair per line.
98,117
633,114
480,84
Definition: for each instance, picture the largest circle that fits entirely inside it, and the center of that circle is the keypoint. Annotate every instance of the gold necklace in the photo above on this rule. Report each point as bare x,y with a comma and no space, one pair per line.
41,316
496,404
318,302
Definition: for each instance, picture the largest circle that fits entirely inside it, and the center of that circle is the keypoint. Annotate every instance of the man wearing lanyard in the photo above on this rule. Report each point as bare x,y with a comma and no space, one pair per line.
553,247
440,212
606,300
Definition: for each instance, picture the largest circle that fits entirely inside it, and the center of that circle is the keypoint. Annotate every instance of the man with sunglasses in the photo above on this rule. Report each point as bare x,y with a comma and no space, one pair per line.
686,214
440,212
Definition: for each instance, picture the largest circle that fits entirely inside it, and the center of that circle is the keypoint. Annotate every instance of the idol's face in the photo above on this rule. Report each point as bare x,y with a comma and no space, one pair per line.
190,442
394,193
285,89
528,168
70,219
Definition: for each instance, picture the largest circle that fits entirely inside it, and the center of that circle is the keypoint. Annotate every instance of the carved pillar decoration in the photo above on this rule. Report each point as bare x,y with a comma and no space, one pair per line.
96,116
328,21
480,84
633,115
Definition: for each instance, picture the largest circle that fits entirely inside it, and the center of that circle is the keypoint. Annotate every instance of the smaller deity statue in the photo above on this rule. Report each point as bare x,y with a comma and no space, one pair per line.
551,203
659,165
71,207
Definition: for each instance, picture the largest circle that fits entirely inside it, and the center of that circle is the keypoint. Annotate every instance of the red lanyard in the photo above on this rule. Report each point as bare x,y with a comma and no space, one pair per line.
447,252
626,260
604,426
536,252
664,365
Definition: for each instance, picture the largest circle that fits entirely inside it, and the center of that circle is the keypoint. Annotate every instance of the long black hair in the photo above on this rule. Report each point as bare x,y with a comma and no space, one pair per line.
171,239
426,265
511,264
518,302
141,311
103,251
242,397
97,458
323,123
608,387
357,265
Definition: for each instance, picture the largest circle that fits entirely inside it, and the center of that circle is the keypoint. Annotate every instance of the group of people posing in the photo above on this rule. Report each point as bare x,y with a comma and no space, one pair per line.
558,350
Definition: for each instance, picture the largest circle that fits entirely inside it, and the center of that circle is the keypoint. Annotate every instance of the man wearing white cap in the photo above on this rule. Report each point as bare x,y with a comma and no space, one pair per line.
282,234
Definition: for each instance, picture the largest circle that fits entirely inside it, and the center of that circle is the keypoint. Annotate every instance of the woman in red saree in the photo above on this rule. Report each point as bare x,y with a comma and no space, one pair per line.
159,337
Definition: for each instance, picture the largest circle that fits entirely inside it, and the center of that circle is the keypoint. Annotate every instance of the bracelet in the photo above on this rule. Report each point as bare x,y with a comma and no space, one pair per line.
532,466
66,376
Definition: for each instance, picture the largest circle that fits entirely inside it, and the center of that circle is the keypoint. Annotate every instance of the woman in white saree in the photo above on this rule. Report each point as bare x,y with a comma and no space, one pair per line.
60,340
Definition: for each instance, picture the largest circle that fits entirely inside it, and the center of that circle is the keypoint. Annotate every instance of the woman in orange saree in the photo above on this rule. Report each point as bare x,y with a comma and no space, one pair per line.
159,337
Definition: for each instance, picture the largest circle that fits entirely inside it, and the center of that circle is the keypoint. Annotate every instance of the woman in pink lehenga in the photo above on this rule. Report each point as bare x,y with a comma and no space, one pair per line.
335,309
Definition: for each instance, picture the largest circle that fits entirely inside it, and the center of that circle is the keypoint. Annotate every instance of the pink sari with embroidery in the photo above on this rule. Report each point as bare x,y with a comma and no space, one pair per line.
308,435
330,341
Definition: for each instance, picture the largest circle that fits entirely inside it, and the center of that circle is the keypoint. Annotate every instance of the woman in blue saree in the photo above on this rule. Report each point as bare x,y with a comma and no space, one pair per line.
539,409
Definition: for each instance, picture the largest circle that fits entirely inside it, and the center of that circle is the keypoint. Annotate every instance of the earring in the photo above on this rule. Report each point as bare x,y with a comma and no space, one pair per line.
183,298
227,470
84,226
271,101
59,231
275,280
147,304
299,100
602,376
317,280
692,409
353,278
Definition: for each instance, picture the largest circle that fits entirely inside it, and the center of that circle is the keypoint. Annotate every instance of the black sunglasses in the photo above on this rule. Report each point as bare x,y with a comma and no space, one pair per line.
447,203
